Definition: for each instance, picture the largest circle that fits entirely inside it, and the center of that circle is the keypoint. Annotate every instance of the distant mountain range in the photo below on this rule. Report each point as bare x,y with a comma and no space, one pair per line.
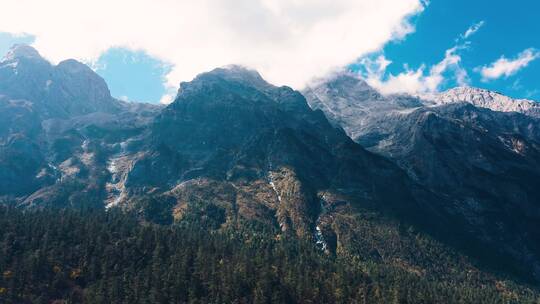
462,166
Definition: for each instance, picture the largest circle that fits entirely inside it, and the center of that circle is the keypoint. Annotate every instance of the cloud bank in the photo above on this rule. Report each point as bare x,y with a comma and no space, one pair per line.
504,67
288,41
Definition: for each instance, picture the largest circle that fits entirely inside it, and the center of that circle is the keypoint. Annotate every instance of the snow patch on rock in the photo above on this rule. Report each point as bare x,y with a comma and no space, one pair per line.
319,237
273,185
117,166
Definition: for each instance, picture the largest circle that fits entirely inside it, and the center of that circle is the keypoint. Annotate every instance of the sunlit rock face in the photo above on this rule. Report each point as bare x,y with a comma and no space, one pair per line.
269,153
57,126
479,149
486,99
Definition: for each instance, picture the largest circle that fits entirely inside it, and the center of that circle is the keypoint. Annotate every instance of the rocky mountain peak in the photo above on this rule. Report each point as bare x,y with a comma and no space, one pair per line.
69,88
350,102
240,73
225,76
19,51
232,98
74,66
236,86
343,83
81,81
486,99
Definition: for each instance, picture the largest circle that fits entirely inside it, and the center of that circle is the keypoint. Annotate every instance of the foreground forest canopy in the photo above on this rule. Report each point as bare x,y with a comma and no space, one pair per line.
55,256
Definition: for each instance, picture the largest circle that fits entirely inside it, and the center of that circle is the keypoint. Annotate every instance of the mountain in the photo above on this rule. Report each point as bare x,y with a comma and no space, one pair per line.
262,170
485,99
350,103
50,118
262,154
468,145
69,88
259,150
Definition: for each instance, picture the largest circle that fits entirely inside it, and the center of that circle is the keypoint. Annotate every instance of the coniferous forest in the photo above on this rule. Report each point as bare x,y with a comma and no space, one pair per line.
54,256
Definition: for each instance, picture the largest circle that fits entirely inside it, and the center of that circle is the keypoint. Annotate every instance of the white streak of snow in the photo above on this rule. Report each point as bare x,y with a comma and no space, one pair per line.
271,177
319,237
115,187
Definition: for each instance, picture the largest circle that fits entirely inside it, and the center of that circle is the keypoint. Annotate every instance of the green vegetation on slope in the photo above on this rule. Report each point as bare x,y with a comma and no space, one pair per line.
110,257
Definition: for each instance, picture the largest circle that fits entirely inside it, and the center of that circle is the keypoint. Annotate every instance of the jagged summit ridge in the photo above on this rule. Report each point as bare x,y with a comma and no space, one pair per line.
345,92
349,102
70,87
485,99
343,83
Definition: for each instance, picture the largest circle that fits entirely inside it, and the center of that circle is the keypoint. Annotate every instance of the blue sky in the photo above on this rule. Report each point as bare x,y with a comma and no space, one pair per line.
435,56
508,29
133,75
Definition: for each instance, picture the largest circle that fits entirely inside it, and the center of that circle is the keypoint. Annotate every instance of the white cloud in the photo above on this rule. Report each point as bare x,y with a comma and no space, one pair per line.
508,67
167,98
421,80
288,41
472,30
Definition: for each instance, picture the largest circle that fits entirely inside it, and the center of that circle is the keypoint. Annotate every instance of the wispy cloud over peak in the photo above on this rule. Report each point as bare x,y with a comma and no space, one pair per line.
421,80
504,67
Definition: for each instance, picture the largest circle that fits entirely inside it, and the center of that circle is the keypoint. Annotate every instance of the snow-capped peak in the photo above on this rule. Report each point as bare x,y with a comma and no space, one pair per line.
485,99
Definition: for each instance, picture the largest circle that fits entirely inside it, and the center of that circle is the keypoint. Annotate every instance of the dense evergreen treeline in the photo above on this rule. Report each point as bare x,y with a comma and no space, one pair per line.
54,256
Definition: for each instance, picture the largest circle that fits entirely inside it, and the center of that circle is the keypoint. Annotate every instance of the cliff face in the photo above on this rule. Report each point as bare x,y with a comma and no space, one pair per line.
57,125
478,149
261,152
